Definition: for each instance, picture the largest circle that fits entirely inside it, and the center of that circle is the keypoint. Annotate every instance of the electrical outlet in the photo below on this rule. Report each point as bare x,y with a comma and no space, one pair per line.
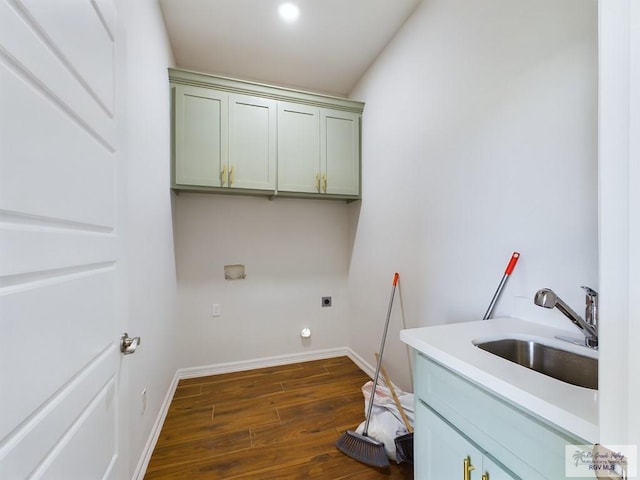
215,310
144,400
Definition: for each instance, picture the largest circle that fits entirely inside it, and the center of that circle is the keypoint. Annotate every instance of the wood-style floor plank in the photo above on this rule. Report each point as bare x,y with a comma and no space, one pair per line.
269,423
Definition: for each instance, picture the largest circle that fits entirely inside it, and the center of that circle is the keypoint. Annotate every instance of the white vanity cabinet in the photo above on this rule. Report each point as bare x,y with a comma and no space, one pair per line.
458,420
232,136
318,150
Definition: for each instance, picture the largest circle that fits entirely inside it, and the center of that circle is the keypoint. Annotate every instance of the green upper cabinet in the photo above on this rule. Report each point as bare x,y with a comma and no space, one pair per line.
232,136
340,152
224,140
200,136
298,148
252,143
318,150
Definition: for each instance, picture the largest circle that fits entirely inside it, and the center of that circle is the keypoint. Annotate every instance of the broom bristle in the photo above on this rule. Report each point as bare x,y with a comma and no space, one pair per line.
364,449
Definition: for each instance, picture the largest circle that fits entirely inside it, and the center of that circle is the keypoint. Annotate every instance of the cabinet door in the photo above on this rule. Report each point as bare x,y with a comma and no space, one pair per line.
493,471
252,142
340,152
298,148
441,450
200,140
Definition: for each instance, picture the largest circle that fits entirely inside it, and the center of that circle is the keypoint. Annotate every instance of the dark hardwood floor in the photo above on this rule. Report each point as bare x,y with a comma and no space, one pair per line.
270,423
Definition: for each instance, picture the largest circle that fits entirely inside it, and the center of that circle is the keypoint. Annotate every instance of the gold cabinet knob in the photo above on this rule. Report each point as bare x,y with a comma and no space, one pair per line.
223,175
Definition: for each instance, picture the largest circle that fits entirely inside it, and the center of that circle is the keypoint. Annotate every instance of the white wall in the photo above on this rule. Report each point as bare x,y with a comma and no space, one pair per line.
150,257
479,139
294,252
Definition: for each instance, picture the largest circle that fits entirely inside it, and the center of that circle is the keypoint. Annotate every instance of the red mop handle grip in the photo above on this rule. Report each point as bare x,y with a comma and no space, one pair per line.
396,276
512,263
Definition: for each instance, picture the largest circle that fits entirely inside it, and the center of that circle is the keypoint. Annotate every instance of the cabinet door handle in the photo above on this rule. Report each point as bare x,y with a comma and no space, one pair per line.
223,175
467,468
324,182
485,476
231,178
318,182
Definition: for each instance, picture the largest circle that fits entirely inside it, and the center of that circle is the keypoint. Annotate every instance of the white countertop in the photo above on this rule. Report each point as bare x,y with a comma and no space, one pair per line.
572,408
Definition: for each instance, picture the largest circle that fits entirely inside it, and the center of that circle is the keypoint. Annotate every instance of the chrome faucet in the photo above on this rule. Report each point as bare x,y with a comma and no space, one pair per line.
548,299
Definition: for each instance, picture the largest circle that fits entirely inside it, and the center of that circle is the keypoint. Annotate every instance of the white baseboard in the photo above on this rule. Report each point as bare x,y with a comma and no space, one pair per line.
231,367
243,365
365,366
143,463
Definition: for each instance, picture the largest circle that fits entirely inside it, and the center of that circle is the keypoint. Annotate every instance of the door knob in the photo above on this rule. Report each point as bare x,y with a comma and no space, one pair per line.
128,345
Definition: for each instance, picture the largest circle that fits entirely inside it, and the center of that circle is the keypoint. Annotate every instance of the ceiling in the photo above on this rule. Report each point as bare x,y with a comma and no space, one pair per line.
327,50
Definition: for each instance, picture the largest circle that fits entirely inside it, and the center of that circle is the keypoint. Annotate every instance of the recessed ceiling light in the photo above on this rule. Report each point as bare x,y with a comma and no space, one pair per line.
289,12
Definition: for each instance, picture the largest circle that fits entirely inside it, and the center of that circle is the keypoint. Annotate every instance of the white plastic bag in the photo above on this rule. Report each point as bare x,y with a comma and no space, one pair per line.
386,422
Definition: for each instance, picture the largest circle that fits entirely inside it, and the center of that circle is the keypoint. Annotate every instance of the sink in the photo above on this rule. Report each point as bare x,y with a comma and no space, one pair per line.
562,365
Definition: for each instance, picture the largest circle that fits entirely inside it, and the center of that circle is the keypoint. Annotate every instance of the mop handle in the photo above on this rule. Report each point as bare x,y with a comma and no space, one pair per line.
510,266
396,276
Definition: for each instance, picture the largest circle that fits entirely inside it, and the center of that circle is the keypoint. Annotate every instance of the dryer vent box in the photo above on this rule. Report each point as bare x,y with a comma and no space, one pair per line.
234,272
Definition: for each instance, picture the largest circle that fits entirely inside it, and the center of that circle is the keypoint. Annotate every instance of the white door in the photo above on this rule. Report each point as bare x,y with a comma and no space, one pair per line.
61,307
619,220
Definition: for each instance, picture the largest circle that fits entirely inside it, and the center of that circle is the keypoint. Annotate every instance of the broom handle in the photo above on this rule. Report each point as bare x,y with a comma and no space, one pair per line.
510,266
395,398
396,276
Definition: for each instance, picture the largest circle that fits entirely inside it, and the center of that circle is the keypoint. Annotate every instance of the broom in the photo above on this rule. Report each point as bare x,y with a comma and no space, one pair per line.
361,447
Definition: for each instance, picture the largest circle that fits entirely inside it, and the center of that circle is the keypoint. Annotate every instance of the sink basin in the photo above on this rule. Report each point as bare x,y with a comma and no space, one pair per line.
566,366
